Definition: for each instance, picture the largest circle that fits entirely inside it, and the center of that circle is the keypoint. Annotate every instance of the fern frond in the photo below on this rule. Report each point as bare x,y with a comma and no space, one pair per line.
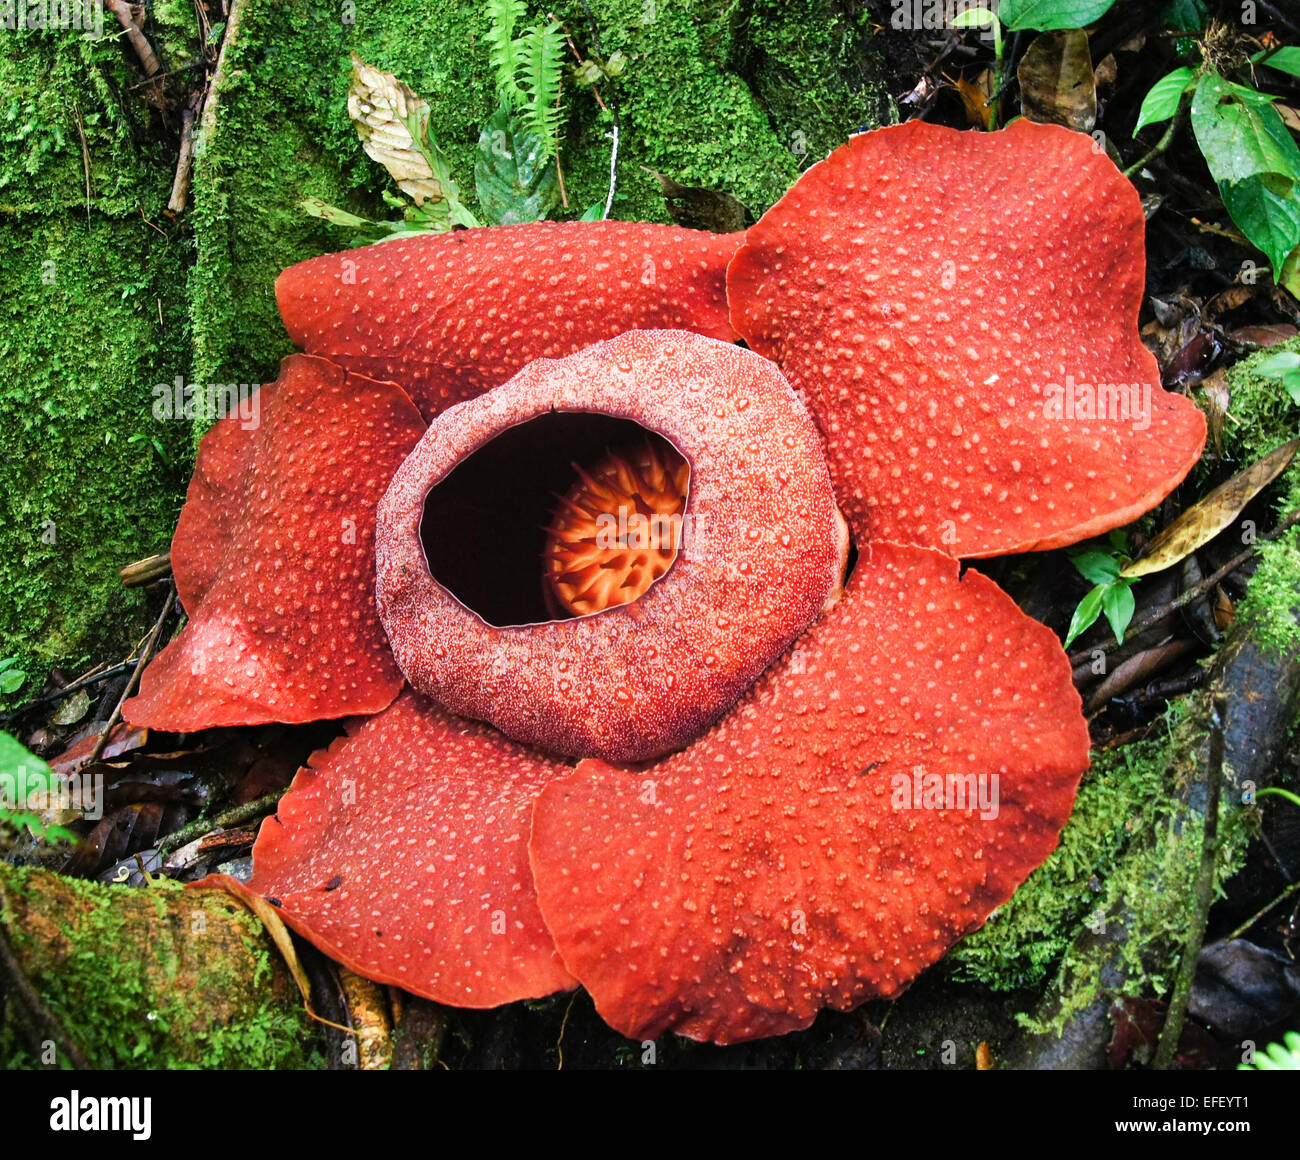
504,17
543,74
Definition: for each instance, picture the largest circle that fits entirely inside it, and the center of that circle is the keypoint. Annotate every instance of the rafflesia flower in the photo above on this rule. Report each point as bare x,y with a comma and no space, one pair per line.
651,742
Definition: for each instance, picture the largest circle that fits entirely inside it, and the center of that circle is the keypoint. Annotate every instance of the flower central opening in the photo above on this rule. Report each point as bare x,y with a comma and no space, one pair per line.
566,515
617,530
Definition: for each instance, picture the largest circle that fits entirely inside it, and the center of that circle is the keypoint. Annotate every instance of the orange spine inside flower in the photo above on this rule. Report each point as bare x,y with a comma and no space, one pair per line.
617,530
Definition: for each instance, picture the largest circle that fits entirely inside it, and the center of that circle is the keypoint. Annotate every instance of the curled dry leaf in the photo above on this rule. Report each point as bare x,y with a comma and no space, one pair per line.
1201,522
1057,85
392,122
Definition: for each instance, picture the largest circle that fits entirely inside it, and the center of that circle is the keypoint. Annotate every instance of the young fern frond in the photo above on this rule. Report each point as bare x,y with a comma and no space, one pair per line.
543,60
504,18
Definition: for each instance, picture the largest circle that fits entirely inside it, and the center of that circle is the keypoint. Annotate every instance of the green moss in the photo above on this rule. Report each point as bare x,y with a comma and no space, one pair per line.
685,109
1266,417
1132,844
120,1000
92,317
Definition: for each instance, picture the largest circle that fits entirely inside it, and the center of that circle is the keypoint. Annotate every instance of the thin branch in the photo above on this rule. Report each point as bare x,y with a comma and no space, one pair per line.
222,821
145,654
1178,121
1167,1050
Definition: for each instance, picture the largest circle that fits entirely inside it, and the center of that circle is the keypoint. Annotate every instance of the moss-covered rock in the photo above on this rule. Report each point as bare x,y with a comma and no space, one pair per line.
148,978
93,315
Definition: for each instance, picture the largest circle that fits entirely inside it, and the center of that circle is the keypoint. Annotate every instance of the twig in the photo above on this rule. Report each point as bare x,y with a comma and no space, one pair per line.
1195,592
27,995
68,690
145,654
184,162
143,49
146,571
222,821
1254,918
85,154
1167,1050
1179,120
613,171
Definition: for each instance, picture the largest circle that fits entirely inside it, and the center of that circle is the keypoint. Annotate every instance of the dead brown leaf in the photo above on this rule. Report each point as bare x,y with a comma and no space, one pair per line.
977,96
1204,520
1056,81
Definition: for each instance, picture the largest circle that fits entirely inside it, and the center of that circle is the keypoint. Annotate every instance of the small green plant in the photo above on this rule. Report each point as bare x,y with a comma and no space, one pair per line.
1112,593
1252,157
1022,15
12,678
1284,1056
517,174
24,781
1285,367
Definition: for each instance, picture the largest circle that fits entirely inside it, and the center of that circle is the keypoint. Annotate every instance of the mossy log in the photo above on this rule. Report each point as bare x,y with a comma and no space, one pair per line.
1136,941
161,977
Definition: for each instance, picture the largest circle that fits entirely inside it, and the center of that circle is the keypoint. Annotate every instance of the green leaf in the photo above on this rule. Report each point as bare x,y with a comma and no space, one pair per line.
1284,366
1271,221
1165,96
1118,604
973,18
1099,567
332,213
1185,15
1285,60
1086,614
513,174
594,213
1051,15
1240,133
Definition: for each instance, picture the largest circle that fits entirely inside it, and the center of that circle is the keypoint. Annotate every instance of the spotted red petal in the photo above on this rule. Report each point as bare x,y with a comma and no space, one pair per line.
780,864
452,315
402,853
274,559
936,295
762,547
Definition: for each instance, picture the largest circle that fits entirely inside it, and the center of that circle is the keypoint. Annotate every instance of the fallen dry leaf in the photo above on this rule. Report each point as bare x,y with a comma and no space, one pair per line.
1056,81
977,96
392,122
1204,520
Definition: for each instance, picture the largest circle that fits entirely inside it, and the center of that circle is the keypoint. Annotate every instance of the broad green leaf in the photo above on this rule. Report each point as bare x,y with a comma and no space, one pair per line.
594,213
1163,100
1185,15
1099,567
1086,614
1285,60
1240,133
514,177
1285,366
1117,603
973,18
1051,15
11,680
1270,220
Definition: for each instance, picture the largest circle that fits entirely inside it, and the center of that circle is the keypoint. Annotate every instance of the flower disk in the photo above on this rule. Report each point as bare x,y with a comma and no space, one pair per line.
762,551
588,567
